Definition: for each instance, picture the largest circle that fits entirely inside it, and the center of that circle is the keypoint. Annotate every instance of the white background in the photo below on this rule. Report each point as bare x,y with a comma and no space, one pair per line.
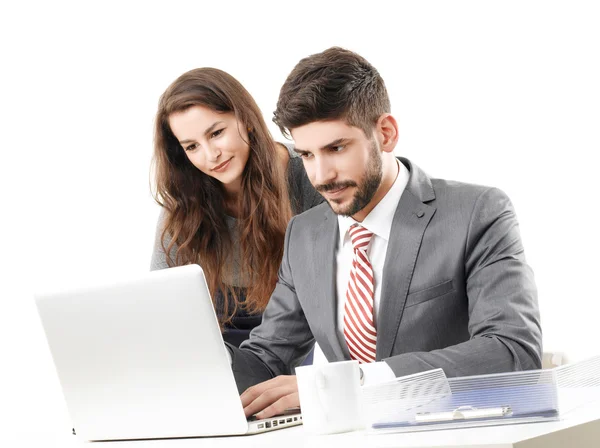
502,93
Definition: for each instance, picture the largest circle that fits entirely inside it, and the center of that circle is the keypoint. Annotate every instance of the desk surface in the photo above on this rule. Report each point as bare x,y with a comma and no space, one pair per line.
584,420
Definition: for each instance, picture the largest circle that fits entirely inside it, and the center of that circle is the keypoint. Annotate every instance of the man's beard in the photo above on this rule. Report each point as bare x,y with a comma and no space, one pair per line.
367,188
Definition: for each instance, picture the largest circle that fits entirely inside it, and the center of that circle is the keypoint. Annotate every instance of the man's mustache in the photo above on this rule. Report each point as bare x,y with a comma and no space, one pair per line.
334,186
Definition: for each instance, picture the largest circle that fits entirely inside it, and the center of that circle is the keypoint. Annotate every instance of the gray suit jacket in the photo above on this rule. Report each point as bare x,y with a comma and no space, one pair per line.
457,292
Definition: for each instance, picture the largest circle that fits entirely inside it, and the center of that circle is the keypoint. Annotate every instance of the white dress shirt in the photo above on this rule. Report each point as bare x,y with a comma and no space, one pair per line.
379,222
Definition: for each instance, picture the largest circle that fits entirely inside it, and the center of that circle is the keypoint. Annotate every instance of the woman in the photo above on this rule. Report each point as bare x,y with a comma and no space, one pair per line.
227,192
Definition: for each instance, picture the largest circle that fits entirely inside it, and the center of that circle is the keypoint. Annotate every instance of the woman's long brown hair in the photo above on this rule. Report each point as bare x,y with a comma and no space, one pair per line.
194,203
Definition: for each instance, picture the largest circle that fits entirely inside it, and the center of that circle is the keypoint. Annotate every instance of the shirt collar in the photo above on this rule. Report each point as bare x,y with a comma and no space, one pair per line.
379,220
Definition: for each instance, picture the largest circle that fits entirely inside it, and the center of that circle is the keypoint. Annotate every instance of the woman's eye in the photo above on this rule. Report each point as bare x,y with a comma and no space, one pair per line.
216,133
191,147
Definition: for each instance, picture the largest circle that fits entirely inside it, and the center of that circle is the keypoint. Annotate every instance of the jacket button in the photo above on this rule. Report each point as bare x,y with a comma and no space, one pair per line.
420,214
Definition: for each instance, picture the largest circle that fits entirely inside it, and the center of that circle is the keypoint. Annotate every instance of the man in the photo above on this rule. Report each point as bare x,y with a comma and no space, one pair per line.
409,271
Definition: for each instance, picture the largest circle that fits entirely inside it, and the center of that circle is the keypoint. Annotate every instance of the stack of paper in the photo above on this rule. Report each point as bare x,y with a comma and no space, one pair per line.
429,400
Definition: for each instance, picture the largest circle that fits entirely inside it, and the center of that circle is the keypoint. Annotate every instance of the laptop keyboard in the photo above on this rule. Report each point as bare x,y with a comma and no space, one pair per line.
276,422
289,417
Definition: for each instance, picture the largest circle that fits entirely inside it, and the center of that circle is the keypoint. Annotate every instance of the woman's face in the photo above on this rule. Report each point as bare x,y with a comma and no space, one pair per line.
215,143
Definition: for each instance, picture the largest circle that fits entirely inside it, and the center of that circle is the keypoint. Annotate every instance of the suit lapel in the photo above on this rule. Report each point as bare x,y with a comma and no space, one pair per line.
324,245
410,221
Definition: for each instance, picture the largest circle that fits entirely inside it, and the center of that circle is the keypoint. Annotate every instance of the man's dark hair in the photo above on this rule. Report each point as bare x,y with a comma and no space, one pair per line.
332,85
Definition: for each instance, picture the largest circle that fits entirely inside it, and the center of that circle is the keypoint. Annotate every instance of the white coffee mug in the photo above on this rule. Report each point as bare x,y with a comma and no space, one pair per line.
330,397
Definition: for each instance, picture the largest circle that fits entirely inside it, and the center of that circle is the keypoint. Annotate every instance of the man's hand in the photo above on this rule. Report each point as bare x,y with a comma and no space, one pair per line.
271,397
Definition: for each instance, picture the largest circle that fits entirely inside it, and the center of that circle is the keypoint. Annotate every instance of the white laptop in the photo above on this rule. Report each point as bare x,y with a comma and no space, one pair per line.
145,359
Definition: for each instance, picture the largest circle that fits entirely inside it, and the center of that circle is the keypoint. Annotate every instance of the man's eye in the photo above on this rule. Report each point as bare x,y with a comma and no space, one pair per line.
306,155
216,133
338,148
191,147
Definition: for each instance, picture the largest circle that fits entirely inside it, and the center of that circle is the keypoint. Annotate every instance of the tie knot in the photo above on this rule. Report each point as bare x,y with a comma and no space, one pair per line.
360,237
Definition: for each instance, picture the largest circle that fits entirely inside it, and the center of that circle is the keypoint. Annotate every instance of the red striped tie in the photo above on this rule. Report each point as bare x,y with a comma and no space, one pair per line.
359,328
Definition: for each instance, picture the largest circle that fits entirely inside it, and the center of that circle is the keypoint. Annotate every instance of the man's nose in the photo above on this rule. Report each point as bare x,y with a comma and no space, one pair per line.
324,171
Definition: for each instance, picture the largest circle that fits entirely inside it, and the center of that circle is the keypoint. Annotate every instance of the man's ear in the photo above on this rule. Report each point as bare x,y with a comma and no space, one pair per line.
387,132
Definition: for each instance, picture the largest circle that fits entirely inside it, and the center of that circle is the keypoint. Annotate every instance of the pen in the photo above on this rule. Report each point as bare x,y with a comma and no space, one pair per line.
463,413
